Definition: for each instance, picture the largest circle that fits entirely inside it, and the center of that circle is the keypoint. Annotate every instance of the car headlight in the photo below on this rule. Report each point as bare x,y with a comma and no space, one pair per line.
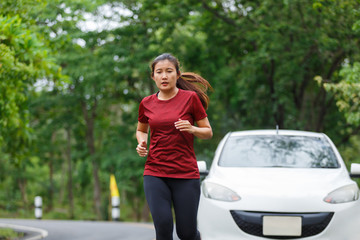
218,192
344,194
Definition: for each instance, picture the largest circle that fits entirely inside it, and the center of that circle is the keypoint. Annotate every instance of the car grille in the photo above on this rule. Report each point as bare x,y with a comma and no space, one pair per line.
251,222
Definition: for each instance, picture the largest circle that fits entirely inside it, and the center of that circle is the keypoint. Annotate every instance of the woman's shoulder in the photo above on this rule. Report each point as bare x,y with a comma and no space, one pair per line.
189,95
187,92
148,98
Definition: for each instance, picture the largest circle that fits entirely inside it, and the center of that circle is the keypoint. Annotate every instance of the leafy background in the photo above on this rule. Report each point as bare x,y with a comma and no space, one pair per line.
69,91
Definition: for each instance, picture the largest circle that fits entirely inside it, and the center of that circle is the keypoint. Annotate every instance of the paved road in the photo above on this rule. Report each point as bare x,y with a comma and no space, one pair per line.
88,230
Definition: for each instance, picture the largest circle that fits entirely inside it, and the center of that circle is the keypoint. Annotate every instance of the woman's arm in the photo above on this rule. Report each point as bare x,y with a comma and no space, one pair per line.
142,136
203,129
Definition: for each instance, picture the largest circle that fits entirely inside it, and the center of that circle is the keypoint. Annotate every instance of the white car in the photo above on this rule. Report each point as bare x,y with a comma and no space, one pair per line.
278,184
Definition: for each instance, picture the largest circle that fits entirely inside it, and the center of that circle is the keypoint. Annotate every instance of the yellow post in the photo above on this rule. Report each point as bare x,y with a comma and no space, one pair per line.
115,199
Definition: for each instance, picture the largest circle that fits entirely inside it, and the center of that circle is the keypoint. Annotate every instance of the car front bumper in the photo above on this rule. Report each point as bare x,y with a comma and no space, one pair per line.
219,220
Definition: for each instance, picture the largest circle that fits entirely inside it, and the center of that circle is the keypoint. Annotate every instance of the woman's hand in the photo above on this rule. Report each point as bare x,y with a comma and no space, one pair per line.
202,130
142,149
141,136
184,126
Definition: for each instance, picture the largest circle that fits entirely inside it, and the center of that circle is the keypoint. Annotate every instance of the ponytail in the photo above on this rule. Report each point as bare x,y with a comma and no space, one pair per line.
194,82
186,81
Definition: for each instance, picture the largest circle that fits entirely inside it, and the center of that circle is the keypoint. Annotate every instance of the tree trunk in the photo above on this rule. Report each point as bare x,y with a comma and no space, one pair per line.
90,140
50,204
97,195
136,209
145,213
278,114
63,183
22,186
70,191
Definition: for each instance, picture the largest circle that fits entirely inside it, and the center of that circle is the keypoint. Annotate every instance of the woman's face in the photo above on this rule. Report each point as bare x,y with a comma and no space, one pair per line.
165,76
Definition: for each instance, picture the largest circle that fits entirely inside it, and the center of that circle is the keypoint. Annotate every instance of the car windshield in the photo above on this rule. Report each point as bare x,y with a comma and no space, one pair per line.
278,151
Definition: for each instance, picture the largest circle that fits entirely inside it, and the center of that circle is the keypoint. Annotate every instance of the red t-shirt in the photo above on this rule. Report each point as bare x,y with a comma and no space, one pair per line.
171,152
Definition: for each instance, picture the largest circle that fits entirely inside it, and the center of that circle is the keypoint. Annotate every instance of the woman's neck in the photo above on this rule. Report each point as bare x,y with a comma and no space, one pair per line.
166,95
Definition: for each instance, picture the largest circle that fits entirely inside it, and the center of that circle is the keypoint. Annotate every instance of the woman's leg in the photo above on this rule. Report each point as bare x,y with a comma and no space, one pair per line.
186,195
158,196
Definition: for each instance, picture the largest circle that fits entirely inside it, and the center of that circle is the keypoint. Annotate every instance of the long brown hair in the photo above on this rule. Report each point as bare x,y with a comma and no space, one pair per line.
188,80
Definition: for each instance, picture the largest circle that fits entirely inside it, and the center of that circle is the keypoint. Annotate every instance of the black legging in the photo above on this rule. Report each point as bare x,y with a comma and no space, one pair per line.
184,194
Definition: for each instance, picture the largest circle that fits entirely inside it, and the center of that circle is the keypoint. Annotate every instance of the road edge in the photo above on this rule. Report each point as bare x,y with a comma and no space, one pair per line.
41,233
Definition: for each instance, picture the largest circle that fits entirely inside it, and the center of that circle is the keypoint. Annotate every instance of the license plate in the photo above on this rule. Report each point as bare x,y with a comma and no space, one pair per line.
281,226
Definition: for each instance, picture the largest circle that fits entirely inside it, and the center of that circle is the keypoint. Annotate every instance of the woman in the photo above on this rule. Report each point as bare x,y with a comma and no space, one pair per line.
171,175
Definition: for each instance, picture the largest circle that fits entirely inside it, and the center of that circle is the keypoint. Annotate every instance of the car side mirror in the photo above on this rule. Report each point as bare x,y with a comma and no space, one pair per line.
355,170
202,168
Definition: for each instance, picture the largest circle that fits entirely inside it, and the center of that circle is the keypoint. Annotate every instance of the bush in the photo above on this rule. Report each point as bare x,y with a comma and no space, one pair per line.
9,234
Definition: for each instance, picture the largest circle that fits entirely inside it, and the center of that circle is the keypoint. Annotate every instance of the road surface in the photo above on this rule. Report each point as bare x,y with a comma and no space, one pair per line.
88,230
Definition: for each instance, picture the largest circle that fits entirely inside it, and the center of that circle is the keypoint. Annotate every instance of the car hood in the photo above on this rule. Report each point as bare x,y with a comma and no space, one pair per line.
274,184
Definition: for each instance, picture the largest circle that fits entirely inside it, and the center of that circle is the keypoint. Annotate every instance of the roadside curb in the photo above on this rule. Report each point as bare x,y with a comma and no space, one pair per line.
36,233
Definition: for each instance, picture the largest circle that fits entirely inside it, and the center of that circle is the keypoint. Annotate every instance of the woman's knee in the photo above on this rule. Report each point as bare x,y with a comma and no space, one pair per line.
185,234
163,228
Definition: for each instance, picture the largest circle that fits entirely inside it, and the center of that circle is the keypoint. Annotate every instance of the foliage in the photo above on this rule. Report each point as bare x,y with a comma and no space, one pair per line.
23,59
8,234
72,126
347,93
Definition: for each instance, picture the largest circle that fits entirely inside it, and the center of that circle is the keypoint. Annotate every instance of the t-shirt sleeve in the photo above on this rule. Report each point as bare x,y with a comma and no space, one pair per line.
198,109
142,117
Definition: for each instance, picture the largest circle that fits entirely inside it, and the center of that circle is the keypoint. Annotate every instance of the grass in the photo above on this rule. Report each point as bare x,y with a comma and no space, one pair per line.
9,234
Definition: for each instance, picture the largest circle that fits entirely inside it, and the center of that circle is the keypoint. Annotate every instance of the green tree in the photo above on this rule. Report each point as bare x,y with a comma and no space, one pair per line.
347,93
260,56
23,59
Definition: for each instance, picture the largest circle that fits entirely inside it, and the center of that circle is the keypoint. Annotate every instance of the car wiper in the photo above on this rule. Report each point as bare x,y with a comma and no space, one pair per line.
331,167
278,166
